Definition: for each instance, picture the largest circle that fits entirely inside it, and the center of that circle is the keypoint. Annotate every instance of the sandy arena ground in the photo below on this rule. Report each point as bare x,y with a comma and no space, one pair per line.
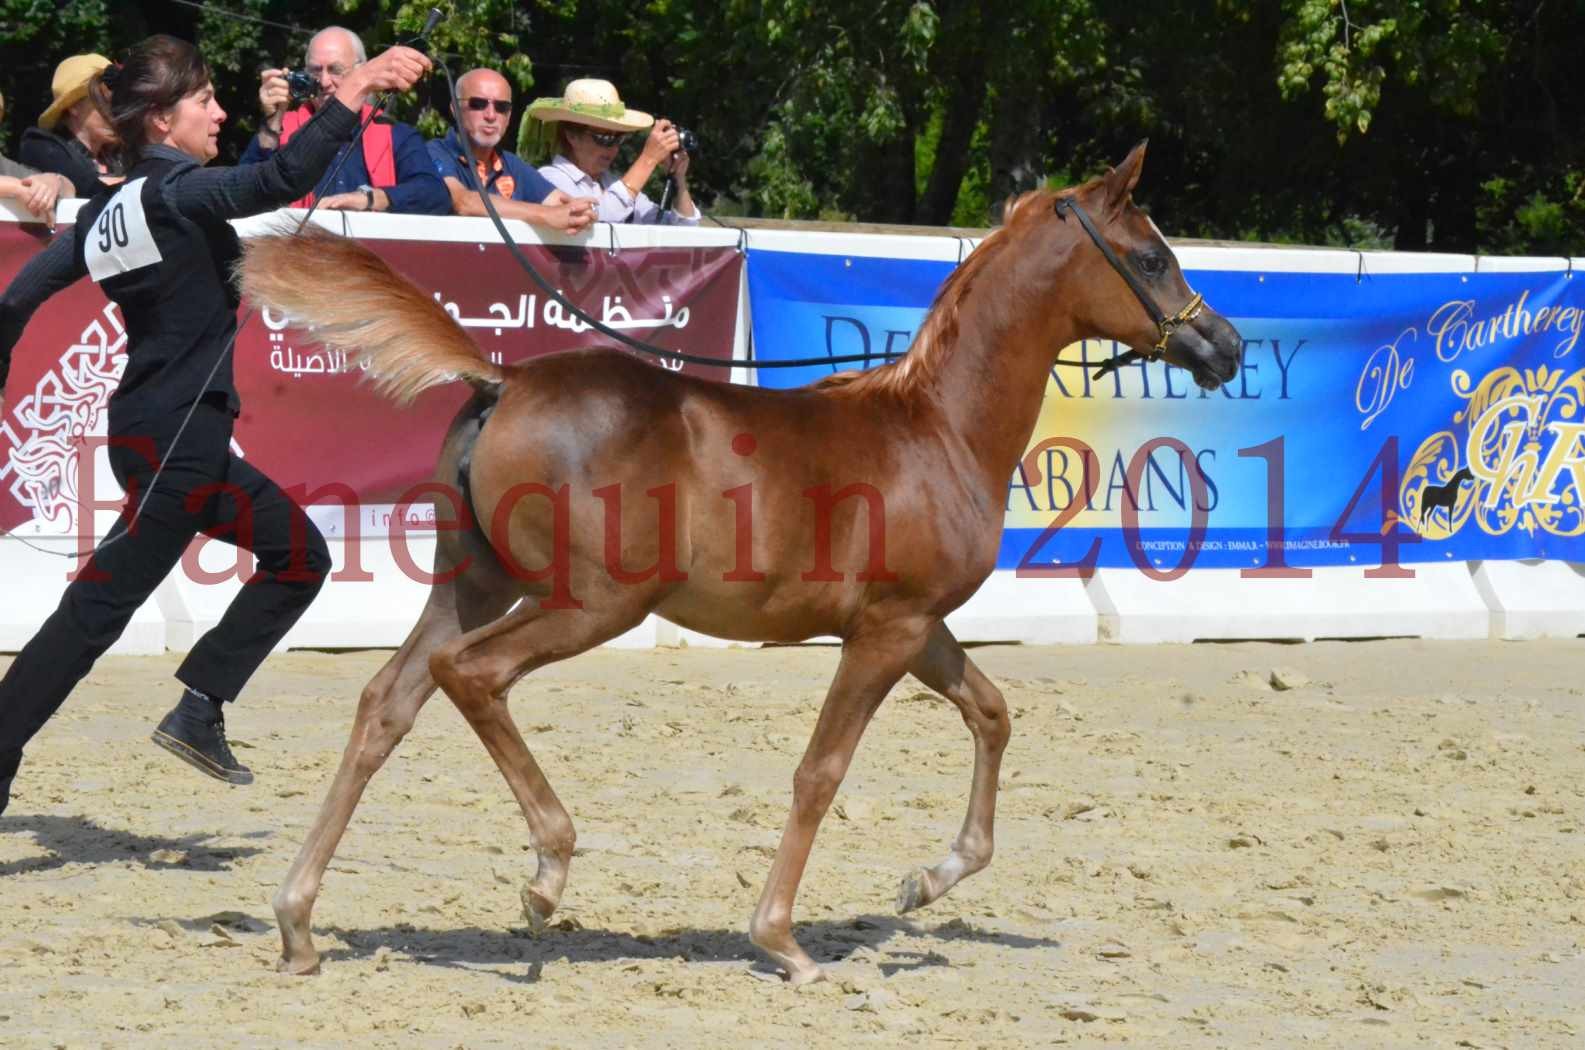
1391,853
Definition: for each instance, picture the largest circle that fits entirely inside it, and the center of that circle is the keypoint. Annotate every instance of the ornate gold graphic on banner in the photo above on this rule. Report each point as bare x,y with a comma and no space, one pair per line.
1515,458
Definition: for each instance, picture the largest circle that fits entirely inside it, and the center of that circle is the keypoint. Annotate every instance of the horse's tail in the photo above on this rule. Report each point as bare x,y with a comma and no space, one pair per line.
347,298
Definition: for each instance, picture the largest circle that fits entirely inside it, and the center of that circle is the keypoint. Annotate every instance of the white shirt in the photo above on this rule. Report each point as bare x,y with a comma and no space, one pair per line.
617,202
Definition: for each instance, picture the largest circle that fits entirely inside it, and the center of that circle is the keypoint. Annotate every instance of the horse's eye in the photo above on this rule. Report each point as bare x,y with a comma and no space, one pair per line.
1152,265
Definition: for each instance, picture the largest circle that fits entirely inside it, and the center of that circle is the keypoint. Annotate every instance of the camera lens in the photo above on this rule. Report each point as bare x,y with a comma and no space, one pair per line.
300,86
687,140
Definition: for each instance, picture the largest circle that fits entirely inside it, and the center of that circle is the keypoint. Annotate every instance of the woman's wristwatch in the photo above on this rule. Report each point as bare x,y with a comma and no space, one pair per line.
368,196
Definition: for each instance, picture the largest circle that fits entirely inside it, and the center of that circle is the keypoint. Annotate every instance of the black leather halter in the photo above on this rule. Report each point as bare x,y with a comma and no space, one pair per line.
1165,325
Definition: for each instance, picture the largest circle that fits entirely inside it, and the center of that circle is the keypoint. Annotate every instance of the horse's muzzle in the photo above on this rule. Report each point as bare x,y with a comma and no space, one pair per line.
1209,347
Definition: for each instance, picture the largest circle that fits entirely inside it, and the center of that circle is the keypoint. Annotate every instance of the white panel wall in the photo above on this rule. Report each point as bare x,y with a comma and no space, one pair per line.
1504,599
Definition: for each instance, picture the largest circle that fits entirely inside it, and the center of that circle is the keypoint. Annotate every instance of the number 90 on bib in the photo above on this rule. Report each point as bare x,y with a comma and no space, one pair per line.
120,240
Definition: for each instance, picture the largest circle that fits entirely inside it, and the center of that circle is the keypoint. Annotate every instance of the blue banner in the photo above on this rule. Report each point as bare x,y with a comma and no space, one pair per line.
1407,417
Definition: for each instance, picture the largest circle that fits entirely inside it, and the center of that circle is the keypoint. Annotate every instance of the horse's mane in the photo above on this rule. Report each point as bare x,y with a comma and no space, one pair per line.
937,335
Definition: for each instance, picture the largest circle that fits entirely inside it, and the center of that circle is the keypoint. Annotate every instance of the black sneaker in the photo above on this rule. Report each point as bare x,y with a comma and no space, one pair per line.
201,743
8,771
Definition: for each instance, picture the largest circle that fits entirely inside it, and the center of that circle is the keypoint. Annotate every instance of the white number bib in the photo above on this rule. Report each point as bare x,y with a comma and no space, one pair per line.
120,240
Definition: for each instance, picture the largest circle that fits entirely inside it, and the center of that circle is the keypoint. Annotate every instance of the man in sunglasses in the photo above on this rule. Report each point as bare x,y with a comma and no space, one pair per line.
483,109
389,169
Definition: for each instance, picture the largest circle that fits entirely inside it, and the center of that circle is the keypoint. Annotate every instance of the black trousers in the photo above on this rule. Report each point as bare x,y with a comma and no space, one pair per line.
204,489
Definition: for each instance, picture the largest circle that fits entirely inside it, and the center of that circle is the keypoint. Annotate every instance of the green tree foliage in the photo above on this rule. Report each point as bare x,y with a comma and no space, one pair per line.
1425,124
34,36
1462,111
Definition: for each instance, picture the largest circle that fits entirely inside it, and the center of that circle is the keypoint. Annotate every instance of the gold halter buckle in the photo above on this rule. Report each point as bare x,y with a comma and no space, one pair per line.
1192,309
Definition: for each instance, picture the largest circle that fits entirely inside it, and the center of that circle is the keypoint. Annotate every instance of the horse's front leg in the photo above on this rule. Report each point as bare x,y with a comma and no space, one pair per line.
946,668
870,666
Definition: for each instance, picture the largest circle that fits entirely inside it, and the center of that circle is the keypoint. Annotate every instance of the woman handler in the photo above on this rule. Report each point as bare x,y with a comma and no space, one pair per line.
159,246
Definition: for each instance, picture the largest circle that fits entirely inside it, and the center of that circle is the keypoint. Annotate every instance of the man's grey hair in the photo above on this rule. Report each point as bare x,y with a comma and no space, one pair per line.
357,43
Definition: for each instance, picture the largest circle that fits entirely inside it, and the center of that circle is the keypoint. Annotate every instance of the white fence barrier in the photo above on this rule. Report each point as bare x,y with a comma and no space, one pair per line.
1509,599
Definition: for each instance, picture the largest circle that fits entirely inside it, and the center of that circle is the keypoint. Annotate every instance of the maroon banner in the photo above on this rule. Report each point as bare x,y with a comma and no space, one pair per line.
307,418
62,374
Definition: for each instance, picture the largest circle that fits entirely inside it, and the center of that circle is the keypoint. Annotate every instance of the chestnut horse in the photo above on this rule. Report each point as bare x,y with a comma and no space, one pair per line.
760,537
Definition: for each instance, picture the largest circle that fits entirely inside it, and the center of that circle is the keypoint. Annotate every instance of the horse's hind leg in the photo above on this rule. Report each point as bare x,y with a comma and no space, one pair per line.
386,711
947,669
478,669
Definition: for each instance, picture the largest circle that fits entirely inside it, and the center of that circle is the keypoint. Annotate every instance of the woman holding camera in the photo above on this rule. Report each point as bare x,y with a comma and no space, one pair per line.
160,247
584,129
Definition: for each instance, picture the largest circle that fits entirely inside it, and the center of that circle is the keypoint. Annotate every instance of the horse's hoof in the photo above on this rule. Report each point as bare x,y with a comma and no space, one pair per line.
805,975
298,967
911,894
536,911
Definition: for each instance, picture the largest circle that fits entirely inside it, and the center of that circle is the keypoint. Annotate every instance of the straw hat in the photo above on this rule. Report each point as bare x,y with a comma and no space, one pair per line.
591,102
70,85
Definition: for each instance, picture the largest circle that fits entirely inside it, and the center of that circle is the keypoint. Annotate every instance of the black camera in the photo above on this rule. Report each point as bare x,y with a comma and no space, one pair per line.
687,140
302,86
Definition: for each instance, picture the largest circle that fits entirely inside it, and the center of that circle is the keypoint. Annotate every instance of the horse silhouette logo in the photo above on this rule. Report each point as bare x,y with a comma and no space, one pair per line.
1444,495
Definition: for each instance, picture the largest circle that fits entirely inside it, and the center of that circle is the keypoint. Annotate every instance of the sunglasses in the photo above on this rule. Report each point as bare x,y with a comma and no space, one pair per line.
479,105
604,138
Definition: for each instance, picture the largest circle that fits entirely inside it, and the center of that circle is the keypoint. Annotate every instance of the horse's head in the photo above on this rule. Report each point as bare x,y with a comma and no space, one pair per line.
1133,289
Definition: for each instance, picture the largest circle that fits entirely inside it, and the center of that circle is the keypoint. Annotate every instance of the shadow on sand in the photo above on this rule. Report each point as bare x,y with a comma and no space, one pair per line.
566,941
78,840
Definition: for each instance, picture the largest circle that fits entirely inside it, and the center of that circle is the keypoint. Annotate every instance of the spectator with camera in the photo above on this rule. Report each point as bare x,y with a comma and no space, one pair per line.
582,132
72,137
390,170
482,111
34,190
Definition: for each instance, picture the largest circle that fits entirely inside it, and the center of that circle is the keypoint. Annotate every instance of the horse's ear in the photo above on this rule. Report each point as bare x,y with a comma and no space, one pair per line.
1121,180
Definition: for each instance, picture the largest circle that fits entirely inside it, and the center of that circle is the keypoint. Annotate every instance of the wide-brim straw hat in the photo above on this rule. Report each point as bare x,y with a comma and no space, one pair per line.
70,85
594,103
